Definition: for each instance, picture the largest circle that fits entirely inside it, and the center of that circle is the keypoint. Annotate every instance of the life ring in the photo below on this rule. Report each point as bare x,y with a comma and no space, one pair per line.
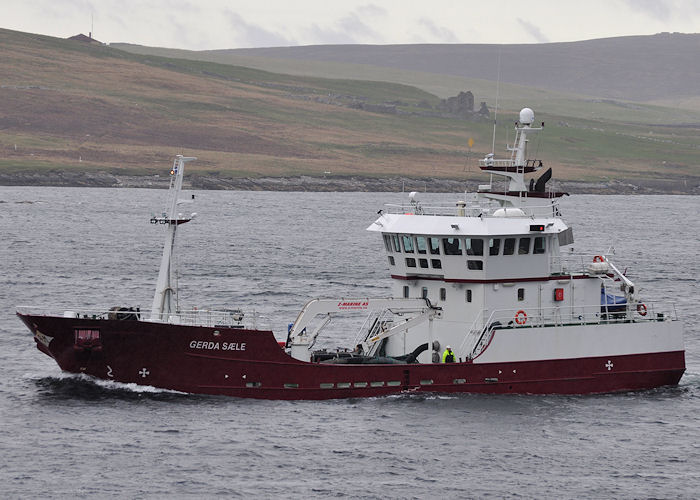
521,317
642,309
598,258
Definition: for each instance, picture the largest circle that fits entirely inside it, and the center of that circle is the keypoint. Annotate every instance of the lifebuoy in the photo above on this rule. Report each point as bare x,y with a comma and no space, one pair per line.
642,309
521,317
598,258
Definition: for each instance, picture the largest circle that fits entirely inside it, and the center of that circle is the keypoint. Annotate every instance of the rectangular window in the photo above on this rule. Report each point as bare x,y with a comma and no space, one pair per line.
443,294
387,242
391,260
539,245
410,262
405,292
509,246
452,246
83,334
424,292
395,241
475,246
475,265
436,263
521,294
423,263
407,243
434,246
494,246
524,246
468,295
421,244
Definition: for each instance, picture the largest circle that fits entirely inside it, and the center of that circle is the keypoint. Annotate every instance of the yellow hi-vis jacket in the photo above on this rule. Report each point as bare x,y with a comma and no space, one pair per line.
448,356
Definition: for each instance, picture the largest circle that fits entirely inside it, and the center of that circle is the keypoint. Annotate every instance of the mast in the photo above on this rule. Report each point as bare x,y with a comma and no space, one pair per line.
517,165
165,297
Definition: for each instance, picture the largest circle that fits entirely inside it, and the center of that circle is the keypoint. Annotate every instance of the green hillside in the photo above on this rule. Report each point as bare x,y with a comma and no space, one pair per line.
75,107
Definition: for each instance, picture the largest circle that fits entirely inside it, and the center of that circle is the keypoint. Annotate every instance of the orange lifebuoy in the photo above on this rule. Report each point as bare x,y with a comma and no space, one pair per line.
521,317
598,258
642,309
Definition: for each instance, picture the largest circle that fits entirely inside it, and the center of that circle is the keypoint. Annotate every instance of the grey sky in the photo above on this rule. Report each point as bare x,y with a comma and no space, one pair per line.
219,24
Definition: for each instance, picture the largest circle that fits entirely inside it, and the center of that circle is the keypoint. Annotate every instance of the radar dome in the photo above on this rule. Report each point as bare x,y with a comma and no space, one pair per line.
527,116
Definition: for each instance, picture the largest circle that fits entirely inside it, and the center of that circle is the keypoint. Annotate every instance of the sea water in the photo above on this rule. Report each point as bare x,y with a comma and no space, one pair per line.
268,253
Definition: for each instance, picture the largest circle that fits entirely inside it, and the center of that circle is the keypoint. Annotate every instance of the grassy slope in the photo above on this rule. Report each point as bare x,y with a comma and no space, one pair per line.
68,105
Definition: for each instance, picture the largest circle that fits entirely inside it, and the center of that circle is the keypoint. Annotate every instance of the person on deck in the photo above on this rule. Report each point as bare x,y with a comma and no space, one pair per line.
448,356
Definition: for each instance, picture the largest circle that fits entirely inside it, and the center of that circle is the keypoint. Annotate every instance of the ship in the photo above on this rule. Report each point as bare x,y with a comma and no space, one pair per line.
487,296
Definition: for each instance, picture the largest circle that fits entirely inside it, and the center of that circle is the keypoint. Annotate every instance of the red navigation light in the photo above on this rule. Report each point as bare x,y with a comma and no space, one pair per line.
537,227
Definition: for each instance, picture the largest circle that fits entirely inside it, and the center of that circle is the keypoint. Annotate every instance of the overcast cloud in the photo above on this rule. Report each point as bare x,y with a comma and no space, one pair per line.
217,24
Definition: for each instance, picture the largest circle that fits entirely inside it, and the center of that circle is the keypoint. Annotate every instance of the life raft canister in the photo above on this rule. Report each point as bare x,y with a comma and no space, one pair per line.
598,258
521,317
642,309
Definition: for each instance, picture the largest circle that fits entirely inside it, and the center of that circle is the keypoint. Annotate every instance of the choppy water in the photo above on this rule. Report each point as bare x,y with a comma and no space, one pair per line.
63,435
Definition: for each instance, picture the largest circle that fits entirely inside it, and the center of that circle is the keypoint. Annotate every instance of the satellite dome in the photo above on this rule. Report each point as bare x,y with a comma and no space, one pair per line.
527,116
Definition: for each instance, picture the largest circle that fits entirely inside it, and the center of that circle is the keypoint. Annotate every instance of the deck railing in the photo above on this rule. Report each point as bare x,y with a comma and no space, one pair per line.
480,333
474,209
229,318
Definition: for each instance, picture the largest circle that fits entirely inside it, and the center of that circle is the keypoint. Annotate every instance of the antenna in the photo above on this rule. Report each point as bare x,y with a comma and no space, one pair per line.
92,23
495,113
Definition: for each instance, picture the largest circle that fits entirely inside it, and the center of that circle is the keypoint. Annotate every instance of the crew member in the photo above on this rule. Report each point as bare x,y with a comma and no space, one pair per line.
448,356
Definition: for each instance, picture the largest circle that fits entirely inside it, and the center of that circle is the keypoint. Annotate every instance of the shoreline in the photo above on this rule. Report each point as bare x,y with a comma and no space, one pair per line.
57,178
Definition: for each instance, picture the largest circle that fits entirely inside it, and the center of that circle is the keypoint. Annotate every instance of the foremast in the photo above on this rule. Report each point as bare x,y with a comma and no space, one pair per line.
165,297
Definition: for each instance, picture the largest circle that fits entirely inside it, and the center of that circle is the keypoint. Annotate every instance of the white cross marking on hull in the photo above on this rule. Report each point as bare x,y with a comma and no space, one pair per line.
144,372
609,365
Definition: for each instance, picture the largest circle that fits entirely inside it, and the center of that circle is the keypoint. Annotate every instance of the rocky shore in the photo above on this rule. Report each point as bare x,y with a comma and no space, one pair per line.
335,183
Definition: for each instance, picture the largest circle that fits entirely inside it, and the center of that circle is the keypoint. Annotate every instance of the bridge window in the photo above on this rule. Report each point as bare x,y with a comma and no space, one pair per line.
395,240
494,246
443,294
387,242
452,246
475,265
539,246
436,263
524,246
405,292
434,246
509,246
423,263
407,243
421,244
391,260
521,294
424,292
410,262
475,246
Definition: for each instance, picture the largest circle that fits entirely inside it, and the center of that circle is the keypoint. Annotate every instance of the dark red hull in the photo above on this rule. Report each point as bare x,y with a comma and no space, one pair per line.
250,363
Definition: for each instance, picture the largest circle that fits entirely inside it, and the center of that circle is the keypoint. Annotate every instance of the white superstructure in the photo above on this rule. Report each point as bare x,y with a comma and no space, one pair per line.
500,263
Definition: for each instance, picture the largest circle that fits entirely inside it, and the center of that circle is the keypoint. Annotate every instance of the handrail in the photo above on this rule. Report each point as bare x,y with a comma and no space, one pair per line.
233,318
471,209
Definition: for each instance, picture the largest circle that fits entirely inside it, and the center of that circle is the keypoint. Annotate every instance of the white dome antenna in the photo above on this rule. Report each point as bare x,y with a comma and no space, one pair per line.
527,116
